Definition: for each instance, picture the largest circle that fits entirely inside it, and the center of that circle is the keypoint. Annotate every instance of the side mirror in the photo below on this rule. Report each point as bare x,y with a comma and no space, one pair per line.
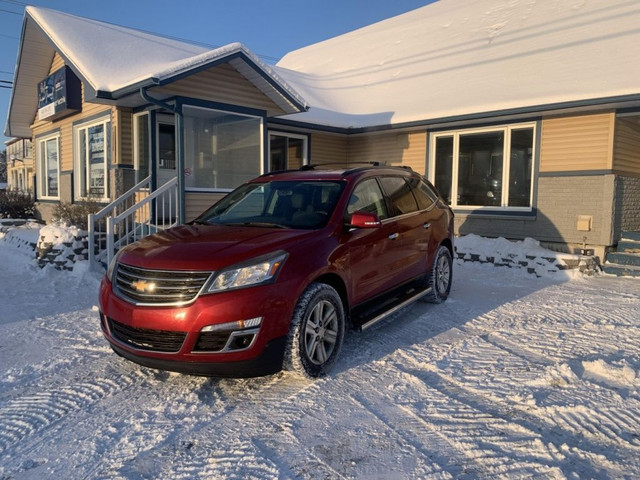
364,220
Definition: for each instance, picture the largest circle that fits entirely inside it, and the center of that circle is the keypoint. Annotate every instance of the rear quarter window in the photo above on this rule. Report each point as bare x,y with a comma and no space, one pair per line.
399,194
424,194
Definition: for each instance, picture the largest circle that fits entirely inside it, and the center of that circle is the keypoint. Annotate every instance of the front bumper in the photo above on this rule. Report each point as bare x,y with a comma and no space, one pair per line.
262,357
267,363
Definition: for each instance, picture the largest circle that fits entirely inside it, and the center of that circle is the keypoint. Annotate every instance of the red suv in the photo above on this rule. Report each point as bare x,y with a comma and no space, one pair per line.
271,275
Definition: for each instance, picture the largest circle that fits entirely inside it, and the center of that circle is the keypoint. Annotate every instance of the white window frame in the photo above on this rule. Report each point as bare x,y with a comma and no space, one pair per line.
262,162
506,130
298,136
78,162
42,164
136,153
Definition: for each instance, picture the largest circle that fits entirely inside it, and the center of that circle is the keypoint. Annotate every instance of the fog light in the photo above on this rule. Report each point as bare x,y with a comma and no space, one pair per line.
241,341
233,326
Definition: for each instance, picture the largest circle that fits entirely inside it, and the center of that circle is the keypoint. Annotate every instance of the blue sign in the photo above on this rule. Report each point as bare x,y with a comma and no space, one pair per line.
59,95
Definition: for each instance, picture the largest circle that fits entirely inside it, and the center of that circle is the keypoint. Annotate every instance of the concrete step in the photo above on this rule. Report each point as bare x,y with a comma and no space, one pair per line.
633,236
621,270
624,258
628,246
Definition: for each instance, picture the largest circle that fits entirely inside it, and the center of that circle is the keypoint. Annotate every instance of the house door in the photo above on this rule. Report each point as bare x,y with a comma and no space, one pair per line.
165,206
166,148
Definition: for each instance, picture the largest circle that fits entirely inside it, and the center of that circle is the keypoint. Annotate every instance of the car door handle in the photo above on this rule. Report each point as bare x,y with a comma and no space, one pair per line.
393,236
426,225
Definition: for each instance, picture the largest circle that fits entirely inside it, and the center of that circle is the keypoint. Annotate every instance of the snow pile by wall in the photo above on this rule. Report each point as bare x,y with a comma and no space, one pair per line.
21,234
62,246
526,254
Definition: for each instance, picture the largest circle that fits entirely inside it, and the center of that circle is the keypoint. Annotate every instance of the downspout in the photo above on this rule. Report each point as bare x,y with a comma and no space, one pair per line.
179,147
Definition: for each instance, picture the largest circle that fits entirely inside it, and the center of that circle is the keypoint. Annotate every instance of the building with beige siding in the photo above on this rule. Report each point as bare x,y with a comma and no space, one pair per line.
19,165
526,116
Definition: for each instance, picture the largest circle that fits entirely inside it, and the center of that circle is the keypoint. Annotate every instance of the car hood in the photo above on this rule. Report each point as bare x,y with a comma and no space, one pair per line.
208,247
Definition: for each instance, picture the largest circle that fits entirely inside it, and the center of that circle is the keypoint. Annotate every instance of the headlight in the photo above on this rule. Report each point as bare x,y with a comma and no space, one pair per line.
112,266
257,271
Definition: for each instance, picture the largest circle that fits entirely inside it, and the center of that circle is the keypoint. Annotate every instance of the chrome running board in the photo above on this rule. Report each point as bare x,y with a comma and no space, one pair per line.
404,303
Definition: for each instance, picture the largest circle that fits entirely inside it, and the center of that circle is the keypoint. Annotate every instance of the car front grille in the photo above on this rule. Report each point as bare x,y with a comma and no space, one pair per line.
147,339
158,287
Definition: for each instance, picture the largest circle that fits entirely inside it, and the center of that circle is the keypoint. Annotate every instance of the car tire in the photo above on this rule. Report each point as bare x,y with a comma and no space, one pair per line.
316,332
440,276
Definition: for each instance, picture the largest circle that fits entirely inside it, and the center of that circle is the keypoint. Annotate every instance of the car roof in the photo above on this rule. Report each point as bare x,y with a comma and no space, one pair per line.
315,172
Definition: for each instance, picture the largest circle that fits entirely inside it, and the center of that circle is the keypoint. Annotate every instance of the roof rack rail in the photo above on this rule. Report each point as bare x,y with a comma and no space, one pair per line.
376,164
313,166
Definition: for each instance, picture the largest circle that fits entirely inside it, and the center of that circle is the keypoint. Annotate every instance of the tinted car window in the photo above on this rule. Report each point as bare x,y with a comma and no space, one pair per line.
291,204
399,194
367,197
423,193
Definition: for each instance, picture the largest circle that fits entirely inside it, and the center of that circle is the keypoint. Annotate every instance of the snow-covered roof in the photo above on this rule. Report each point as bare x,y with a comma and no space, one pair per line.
456,58
115,61
451,59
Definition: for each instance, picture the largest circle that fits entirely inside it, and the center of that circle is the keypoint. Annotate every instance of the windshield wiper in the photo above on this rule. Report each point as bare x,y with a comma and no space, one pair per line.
260,224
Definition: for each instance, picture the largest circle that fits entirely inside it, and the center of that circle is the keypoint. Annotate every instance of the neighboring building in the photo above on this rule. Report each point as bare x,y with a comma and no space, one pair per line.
19,165
525,115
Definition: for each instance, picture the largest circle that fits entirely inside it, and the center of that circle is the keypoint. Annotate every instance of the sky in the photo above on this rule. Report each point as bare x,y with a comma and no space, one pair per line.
270,28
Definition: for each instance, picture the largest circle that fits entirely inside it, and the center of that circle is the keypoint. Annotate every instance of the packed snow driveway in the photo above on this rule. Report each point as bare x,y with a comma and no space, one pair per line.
512,377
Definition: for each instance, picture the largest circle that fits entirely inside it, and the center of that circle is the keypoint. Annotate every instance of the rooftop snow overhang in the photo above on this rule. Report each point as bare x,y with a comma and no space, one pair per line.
41,38
239,57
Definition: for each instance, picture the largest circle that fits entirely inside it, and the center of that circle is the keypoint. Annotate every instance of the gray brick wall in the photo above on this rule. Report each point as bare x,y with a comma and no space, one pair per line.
627,206
560,200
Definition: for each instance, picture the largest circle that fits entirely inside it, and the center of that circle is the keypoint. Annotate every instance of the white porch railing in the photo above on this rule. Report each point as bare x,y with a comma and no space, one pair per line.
132,216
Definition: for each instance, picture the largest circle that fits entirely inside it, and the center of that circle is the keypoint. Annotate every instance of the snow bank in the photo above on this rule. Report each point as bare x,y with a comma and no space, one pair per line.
21,234
526,254
60,233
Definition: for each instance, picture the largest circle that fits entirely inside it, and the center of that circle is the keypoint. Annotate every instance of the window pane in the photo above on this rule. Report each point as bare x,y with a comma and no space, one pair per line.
142,146
520,167
294,152
51,162
278,149
400,194
286,152
480,169
423,193
367,197
96,159
444,167
222,150
167,145
82,170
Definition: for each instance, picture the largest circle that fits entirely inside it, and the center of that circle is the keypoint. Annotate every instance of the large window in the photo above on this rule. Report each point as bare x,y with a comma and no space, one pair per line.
488,168
287,151
92,147
48,156
222,149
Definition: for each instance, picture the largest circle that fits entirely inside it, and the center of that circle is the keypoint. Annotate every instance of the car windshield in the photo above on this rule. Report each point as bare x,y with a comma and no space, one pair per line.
278,204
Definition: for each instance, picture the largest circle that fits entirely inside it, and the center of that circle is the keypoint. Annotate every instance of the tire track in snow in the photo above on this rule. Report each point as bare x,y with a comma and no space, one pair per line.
215,441
464,441
27,415
420,434
340,439
503,417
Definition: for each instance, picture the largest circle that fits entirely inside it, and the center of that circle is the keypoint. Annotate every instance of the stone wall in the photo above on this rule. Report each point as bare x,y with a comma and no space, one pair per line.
63,254
627,206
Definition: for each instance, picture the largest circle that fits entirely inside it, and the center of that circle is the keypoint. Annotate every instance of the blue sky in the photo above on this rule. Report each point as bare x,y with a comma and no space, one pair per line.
270,28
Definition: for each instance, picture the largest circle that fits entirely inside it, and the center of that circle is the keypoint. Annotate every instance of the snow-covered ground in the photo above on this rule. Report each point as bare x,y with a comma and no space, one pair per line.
514,376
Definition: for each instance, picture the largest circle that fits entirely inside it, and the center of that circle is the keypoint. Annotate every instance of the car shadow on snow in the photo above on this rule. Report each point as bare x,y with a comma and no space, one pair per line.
477,290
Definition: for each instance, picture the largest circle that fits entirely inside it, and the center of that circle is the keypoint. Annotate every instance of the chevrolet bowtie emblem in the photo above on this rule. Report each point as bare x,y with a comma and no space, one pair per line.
142,286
